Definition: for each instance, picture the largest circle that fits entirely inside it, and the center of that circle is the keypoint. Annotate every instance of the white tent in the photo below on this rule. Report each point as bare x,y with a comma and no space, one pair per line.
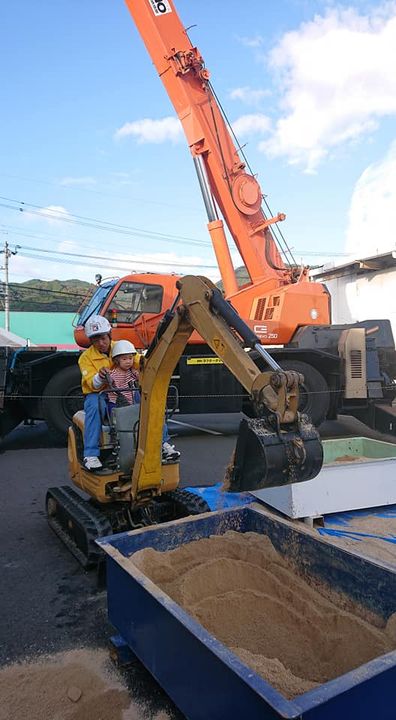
11,340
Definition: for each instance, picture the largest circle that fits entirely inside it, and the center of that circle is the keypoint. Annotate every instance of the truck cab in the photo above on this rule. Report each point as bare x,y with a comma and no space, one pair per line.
133,304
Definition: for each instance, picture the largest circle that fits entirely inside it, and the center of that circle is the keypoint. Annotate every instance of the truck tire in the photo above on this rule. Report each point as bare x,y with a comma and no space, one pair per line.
314,393
62,397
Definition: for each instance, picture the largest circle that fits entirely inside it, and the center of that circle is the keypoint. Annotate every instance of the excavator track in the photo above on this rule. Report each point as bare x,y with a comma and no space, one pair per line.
77,523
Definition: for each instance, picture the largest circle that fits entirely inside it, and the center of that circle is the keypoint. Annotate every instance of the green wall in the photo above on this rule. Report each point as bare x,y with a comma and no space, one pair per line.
42,328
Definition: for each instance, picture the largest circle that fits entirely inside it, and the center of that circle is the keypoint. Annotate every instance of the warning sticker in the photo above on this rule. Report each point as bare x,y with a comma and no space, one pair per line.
204,361
160,7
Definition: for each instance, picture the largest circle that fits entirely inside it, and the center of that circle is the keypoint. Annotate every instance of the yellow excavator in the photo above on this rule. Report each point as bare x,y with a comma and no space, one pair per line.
276,446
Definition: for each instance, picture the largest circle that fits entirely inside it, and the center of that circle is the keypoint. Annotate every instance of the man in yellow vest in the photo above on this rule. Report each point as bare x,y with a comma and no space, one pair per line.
94,364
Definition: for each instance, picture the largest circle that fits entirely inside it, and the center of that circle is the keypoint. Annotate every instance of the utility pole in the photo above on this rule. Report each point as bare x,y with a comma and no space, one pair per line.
7,254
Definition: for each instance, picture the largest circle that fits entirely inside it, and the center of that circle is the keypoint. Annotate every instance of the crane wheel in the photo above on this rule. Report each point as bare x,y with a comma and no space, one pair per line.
62,397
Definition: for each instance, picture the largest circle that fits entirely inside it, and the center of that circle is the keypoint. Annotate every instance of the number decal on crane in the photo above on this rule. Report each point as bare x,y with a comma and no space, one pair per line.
160,7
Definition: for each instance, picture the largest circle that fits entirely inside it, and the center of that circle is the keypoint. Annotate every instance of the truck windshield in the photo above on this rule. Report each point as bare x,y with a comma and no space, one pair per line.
95,303
132,299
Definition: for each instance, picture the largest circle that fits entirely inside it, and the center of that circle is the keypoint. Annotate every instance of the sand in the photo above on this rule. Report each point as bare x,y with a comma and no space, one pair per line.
371,547
244,593
353,458
75,685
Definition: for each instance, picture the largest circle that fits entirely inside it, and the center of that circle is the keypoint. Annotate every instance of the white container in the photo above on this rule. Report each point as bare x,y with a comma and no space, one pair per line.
369,481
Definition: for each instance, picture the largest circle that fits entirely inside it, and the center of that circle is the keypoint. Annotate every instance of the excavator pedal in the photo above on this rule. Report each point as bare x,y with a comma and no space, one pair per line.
266,458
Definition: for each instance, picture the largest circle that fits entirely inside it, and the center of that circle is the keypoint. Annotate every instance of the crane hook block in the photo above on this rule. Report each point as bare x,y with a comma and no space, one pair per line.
265,457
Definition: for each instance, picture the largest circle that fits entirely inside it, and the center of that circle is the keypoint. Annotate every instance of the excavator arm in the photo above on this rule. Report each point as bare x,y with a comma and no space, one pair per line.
277,447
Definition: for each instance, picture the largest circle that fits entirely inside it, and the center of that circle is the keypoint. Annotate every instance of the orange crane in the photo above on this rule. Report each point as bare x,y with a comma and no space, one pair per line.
279,297
278,302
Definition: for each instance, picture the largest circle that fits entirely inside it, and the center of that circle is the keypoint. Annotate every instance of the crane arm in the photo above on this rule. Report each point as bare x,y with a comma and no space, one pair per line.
221,171
275,448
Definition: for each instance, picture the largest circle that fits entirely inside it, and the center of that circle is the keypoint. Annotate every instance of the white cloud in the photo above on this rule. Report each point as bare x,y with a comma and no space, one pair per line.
251,124
67,246
248,95
372,213
71,181
148,130
338,78
252,42
54,214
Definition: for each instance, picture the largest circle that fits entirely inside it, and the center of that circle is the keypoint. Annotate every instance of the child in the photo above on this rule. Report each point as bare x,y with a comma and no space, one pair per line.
124,375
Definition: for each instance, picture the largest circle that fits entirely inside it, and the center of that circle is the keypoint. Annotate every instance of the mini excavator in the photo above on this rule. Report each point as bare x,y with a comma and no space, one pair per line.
276,446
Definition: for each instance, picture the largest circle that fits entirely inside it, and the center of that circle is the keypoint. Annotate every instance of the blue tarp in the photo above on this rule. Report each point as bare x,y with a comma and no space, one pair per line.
346,524
219,500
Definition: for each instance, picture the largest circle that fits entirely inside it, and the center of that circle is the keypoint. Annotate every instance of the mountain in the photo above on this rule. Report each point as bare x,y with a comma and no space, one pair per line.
242,277
64,295
48,296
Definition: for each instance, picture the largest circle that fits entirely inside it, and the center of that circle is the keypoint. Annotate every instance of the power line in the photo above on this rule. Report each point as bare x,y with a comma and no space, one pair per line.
44,236
65,261
100,263
16,287
102,225
107,266
81,188
127,259
120,260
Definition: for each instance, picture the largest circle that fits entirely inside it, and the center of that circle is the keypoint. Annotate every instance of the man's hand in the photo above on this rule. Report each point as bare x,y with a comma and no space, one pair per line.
103,373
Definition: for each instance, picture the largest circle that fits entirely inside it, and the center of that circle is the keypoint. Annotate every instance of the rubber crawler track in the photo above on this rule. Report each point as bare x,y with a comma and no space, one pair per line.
77,523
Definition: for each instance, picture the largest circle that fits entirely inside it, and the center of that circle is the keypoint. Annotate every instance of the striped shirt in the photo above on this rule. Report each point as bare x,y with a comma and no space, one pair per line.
121,378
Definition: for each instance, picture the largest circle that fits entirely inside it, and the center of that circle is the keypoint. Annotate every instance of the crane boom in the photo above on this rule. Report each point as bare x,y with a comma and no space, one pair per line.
278,298
220,168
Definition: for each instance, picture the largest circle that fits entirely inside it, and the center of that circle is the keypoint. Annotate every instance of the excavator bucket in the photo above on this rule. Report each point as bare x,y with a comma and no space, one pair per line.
266,458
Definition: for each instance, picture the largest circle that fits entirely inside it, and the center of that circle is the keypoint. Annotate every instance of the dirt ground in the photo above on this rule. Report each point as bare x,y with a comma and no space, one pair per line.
74,685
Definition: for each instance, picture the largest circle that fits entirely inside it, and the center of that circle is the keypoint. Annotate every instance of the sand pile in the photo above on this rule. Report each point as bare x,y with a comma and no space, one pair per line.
247,596
76,685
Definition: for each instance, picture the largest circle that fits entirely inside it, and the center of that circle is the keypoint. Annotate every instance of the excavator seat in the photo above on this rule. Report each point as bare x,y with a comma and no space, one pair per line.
79,421
121,432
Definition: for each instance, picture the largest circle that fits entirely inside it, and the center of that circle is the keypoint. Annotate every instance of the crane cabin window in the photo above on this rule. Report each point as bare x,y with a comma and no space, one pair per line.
134,299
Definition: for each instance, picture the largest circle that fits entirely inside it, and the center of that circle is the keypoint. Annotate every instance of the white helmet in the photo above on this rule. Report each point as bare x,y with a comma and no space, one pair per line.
123,347
97,325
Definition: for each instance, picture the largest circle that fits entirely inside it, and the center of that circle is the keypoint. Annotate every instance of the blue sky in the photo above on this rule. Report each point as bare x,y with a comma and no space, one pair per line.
87,130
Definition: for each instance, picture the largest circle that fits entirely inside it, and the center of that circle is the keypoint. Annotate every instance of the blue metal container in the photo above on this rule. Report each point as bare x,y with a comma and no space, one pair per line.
203,677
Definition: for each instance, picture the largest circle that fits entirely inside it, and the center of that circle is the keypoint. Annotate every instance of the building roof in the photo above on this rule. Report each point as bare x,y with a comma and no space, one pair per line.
384,261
